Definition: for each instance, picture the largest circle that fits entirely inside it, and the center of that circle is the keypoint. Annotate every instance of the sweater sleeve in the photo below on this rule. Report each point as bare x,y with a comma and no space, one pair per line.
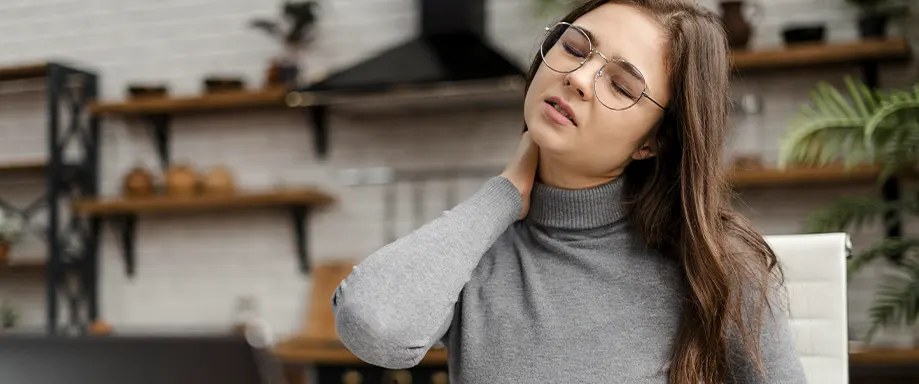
398,302
780,360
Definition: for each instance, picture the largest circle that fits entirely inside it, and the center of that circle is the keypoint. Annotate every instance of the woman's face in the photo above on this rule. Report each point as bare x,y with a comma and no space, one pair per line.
597,140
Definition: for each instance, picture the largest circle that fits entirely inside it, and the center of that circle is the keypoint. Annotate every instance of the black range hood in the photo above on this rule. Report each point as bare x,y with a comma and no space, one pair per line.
451,48
450,58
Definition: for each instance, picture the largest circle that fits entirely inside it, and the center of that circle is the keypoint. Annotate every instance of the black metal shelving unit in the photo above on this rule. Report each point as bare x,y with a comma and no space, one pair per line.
72,242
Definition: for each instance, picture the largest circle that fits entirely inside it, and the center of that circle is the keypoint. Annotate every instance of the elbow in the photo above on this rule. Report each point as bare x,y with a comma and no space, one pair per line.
375,340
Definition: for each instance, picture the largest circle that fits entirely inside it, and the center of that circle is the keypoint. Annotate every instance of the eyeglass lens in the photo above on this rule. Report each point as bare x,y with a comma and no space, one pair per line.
567,48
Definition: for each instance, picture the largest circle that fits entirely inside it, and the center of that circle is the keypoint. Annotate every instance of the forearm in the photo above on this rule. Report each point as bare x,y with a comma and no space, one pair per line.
400,299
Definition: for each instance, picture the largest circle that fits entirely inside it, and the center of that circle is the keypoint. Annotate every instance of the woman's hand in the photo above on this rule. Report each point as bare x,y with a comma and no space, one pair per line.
521,169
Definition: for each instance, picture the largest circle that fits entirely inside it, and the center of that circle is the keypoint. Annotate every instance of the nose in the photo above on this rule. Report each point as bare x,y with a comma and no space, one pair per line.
582,79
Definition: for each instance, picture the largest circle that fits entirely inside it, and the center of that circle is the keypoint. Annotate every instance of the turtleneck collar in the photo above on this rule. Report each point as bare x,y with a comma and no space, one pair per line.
576,208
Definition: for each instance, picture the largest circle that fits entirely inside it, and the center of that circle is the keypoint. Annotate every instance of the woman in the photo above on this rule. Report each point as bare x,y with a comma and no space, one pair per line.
618,258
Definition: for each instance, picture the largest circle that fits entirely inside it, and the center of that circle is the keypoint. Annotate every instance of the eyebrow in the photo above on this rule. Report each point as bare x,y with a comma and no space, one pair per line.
590,35
631,68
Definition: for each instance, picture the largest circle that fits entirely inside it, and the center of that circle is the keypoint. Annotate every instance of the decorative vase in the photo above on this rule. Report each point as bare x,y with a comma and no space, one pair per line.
872,25
217,84
181,181
100,328
138,183
142,91
736,23
219,181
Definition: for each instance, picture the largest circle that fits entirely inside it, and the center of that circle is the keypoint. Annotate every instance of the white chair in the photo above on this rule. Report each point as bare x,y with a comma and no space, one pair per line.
815,276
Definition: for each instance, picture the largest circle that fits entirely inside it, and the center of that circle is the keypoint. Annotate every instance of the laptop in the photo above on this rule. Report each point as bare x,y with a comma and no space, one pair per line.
40,359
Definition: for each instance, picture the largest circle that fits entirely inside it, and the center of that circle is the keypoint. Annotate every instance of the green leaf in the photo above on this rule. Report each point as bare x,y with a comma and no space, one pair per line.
886,247
838,102
848,213
896,299
857,98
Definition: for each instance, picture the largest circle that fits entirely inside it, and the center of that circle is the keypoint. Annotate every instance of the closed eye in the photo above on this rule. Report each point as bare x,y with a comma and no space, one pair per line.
571,50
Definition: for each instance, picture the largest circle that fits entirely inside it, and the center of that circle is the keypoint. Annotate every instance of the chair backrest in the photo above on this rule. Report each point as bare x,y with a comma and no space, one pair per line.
815,276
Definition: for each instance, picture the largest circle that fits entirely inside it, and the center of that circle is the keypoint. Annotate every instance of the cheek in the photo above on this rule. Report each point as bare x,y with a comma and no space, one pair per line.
616,137
532,103
621,129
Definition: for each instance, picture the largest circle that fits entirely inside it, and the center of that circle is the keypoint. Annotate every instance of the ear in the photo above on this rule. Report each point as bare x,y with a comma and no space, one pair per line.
646,151
649,148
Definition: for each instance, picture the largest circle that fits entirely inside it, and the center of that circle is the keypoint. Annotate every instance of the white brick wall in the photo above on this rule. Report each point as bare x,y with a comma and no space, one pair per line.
191,269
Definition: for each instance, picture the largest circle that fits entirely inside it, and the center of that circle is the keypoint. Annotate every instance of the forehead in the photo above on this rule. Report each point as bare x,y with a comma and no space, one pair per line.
628,33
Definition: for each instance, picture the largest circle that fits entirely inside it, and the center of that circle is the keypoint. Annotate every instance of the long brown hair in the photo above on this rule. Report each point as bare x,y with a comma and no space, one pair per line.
680,199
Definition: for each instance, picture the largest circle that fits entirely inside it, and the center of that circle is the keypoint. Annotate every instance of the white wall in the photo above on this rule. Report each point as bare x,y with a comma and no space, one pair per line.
190,270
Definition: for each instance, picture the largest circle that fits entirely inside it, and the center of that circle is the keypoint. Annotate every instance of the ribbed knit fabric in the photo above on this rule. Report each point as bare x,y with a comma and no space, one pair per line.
567,295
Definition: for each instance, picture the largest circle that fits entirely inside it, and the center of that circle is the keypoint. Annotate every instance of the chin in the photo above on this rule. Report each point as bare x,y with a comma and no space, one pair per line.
547,137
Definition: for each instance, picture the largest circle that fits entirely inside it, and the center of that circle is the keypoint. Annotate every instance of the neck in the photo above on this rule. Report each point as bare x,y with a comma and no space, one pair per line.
558,175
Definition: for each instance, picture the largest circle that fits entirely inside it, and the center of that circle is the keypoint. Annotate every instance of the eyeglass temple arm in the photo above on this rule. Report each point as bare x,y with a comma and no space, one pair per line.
645,94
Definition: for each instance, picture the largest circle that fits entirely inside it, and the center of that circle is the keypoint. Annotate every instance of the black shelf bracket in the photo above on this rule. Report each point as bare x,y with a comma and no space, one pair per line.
300,216
319,116
159,132
127,226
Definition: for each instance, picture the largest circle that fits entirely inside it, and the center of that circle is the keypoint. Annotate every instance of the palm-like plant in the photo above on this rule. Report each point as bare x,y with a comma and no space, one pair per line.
867,127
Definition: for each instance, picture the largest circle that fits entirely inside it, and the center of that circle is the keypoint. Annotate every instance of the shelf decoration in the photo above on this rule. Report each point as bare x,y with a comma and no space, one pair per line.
294,31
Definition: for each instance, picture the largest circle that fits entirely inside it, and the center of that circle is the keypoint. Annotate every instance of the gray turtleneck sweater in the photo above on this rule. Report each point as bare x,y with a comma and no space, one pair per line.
566,295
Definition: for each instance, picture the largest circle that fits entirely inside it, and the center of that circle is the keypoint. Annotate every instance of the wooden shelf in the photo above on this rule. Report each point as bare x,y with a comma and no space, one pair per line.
885,357
24,71
227,100
123,212
165,204
302,352
30,166
804,55
21,269
803,176
781,57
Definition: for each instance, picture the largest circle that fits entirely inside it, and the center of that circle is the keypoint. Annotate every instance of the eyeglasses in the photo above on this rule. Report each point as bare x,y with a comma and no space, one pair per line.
567,47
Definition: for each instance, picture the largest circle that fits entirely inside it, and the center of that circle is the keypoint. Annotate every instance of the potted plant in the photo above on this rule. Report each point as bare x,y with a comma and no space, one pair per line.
877,127
294,31
874,16
11,228
8,316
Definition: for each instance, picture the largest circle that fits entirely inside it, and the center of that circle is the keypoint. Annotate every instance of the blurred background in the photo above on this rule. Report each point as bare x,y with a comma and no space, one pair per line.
188,166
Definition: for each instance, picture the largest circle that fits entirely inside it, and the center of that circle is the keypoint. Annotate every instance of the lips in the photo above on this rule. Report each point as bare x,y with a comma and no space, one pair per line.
559,111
